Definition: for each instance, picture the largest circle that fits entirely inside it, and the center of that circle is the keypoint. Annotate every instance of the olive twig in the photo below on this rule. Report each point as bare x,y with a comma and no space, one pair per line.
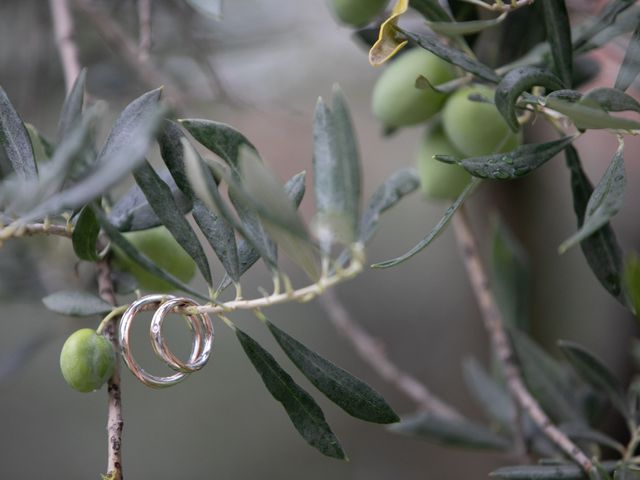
494,324
16,230
501,5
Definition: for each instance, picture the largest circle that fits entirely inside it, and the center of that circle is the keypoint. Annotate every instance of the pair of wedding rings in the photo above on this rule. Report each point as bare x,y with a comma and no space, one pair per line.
163,305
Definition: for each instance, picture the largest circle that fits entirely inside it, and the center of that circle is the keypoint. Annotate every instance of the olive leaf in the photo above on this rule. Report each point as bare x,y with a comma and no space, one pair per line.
77,304
631,64
71,112
16,152
556,19
85,235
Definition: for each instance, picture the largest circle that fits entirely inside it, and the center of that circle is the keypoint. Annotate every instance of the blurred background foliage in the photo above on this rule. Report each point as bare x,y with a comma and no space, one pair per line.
261,69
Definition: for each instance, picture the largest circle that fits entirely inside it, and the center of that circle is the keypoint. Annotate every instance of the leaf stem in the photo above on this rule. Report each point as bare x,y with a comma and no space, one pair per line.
494,324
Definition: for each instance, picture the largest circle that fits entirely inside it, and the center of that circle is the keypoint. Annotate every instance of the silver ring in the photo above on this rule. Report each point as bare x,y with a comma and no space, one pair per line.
201,350
201,347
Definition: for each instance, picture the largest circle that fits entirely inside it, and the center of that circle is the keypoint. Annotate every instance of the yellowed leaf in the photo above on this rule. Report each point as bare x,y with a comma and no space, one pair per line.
390,40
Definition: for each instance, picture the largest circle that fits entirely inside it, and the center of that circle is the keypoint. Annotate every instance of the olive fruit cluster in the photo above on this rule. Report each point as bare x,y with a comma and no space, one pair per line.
87,360
161,248
466,128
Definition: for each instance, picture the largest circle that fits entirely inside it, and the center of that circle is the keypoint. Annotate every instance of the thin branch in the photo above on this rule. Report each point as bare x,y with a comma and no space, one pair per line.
33,229
501,6
144,29
63,29
371,351
114,419
119,40
494,325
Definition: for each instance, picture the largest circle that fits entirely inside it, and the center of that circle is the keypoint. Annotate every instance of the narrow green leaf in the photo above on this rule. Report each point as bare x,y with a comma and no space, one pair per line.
430,9
220,138
520,80
77,304
617,25
544,472
133,212
37,144
627,472
515,164
85,235
130,251
594,372
453,56
172,151
631,64
161,200
348,392
435,231
460,433
71,113
453,29
604,203
601,248
605,18
492,397
304,412
556,19
580,432
588,116
247,254
333,153
209,8
611,100
510,276
16,153
632,282
547,379
393,189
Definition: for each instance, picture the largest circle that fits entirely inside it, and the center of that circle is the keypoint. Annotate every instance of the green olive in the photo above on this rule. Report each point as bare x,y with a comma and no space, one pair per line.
161,248
357,12
477,128
87,360
439,180
397,102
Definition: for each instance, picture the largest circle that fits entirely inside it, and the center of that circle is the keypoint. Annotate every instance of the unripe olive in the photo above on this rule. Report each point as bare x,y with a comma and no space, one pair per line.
439,180
162,249
397,102
357,12
477,128
87,360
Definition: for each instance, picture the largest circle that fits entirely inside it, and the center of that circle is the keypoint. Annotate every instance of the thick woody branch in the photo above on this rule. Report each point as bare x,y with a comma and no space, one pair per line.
501,345
114,420
372,352
63,30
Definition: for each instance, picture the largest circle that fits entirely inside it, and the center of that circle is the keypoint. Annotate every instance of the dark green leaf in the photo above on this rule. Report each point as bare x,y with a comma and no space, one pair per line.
586,115
124,151
601,248
510,276
72,108
132,211
398,185
304,412
161,200
172,151
348,392
517,81
85,235
631,64
452,433
556,19
16,153
430,9
492,397
605,18
604,203
37,144
632,282
544,472
453,56
516,163
547,379
220,138
247,255
77,304
453,29
130,251
611,100
594,372
435,231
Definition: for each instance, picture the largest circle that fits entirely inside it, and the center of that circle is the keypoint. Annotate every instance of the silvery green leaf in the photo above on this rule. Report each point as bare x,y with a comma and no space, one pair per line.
77,304
71,113
16,153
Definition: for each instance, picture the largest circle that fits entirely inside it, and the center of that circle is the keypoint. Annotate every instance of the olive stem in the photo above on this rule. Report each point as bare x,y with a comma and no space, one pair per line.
63,29
494,324
16,230
114,416
501,6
